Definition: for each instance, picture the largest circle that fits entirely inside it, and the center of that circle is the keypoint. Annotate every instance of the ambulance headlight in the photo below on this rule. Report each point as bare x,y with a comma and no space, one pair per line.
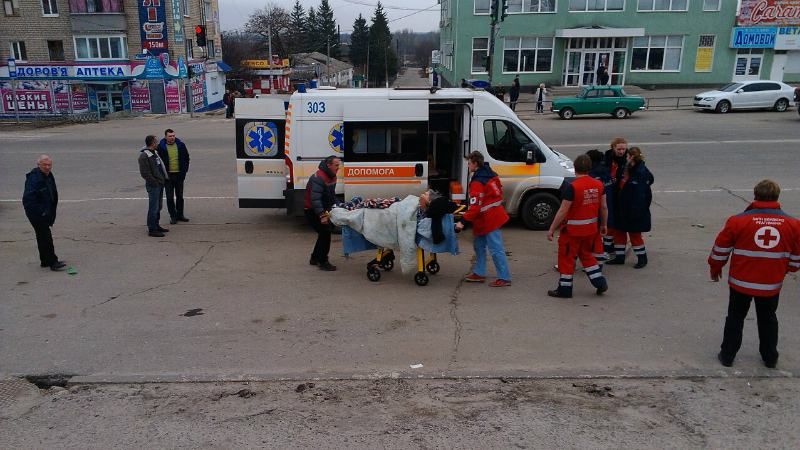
567,164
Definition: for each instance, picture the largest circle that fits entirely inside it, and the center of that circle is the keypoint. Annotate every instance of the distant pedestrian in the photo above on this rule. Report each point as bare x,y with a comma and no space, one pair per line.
763,244
320,197
583,207
175,155
633,209
435,78
152,169
540,94
602,75
487,214
40,201
513,94
227,99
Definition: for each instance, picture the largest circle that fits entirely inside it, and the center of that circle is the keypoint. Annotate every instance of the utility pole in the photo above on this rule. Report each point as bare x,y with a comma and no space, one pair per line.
269,44
366,81
497,14
328,61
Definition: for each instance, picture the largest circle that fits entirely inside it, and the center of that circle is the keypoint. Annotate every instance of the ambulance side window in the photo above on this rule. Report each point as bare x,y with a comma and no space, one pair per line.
386,141
504,140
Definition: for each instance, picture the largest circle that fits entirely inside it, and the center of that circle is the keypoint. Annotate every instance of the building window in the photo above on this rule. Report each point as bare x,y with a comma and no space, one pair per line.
711,5
481,7
663,5
705,53
527,54
444,19
209,13
185,7
18,51
101,47
447,55
212,52
49,8
657,53
11,7
56,50
531,6
480,52
95,6
189,49
596,5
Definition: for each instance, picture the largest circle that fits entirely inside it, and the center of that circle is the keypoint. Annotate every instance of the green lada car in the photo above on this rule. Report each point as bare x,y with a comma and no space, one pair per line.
598,100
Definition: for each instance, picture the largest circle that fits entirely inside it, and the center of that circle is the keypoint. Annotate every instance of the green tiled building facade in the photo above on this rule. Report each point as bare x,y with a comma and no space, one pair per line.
640,42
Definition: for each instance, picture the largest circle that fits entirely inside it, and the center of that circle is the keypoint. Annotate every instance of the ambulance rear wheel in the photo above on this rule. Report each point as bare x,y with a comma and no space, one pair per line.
433,267
539,210
421,279
373,274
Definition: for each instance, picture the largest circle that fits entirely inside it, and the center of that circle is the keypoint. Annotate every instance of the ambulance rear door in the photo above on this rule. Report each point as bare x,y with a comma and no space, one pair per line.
260,138
385,148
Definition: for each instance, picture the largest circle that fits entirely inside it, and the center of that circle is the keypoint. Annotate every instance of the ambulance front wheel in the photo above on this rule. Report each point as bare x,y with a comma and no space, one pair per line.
539,210
373,274
421,279
433,267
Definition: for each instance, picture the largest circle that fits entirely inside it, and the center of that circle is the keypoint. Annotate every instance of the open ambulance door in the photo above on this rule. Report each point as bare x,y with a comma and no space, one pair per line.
386,148
260,138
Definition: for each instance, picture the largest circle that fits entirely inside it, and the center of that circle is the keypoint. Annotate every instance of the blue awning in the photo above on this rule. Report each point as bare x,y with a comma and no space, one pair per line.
223,67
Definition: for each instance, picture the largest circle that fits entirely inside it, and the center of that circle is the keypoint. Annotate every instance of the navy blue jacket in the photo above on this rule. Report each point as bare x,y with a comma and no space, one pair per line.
183,155
634,200
40,198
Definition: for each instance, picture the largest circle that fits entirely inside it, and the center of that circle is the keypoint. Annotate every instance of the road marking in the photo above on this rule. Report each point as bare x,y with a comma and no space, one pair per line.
103,199
743,141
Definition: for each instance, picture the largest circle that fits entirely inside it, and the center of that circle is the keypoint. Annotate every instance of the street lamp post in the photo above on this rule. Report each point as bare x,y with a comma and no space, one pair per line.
12,72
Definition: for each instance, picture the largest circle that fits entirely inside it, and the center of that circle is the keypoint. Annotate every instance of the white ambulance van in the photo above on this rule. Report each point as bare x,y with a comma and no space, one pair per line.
393,142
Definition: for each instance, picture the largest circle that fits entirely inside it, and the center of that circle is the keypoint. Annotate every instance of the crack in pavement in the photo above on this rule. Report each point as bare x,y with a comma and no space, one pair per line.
456,321
97,242
172,283
730,191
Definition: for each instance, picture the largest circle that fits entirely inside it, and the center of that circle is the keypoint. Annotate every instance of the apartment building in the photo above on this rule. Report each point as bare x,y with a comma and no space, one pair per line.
72,56
639,42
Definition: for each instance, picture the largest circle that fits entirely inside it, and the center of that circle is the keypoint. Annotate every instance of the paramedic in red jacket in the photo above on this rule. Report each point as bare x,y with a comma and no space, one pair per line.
487,215
583,205
763,244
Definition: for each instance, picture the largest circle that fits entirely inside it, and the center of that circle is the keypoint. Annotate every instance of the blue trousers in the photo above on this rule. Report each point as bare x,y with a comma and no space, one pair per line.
155,195
494,241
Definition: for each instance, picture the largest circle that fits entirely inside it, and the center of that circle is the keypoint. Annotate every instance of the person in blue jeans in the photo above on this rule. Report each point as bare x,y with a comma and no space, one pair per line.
487,215
152,169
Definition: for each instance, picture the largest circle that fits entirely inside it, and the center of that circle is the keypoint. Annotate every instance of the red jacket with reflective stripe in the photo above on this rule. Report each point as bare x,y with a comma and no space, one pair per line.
763,244
486,211
584,213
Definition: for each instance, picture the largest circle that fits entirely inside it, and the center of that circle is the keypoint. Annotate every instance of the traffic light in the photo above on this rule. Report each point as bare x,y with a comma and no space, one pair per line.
200,35
503,9
493,5
498,10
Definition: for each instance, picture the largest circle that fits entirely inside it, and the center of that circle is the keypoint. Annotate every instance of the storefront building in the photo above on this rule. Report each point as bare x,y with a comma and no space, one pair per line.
639,42
77,56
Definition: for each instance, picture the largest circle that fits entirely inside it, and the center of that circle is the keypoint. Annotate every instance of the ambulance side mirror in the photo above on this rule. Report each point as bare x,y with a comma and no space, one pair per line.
533,154
529,158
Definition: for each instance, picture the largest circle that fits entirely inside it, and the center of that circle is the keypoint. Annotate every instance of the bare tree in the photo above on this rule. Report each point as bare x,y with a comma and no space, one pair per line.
238,46
272,17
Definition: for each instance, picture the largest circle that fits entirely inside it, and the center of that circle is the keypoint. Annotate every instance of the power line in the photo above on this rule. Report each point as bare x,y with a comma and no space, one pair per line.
428,9
375,5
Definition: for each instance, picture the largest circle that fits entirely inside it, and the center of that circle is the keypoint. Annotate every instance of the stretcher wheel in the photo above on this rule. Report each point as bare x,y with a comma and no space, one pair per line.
373,274
433,267
421,279
387,264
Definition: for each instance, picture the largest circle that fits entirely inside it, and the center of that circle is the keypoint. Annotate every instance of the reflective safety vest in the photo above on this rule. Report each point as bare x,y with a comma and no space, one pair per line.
763,244
583,215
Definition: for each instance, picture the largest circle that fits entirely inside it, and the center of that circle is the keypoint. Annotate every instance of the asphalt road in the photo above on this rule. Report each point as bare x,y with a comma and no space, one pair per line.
266,315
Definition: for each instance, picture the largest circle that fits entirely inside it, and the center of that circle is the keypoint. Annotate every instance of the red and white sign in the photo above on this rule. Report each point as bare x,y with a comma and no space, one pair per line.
769,12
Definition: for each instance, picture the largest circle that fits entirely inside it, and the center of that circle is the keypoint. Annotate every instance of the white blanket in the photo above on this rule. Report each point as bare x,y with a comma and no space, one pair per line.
392,228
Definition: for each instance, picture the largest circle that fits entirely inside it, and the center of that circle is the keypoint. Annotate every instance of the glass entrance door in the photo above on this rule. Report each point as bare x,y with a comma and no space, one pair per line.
748,64
585,55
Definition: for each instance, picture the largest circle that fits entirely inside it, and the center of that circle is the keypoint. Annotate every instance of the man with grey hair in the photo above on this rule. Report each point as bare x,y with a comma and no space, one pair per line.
40,201
152,169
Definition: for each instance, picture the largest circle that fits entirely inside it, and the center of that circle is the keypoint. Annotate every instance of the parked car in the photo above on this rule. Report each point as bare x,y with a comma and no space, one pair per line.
747,95
598,100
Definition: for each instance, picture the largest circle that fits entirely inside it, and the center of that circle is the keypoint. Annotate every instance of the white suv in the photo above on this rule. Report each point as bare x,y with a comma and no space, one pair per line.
747,95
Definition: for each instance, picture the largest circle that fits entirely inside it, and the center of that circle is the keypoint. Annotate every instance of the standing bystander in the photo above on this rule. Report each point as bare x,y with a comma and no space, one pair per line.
513,94
152,169
175,155
541,96
40,201
763,245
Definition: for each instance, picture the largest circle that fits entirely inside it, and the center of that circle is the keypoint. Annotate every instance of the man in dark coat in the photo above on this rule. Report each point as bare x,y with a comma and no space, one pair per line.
175,155
320,196
513,94
40,201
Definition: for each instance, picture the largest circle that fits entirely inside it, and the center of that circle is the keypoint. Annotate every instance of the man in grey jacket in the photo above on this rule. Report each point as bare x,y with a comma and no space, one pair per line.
152,169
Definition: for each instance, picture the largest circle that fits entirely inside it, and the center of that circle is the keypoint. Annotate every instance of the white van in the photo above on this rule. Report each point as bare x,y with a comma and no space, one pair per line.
392,142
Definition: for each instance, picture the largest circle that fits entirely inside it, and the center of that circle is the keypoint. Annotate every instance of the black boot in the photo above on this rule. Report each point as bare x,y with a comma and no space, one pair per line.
641,262
600,284
562,291
618,260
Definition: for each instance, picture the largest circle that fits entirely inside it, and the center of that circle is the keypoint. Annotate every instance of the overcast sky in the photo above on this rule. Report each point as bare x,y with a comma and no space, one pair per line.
233,14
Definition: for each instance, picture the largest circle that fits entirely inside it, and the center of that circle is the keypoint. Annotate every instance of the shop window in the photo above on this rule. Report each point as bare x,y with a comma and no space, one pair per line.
49,8
711,5
100,47
657,53
481,6
95,6
527,54
505,141
56,50
18,51
11,7
480,52
596,5
663,5
383,141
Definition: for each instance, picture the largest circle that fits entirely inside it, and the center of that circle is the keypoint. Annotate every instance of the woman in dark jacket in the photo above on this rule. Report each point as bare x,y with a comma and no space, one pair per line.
634,201
615,159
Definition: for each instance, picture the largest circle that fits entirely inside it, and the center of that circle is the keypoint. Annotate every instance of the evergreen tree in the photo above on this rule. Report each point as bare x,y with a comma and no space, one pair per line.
382,58
326,26
312,30
297,38
359,41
